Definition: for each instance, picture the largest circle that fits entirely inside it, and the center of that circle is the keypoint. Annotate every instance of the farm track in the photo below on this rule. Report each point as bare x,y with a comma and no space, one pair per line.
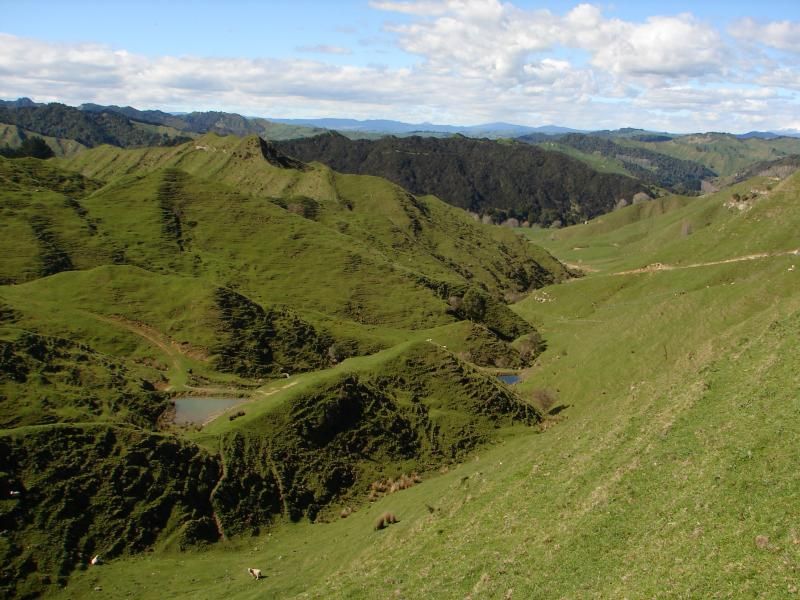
666,267
175,351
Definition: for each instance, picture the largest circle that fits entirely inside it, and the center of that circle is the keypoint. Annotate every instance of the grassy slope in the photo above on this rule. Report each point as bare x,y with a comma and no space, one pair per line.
365,255
680,231
598,162
48,379
324,264
12,136
367,208
670,471
331,226
44,227
413,407
723,154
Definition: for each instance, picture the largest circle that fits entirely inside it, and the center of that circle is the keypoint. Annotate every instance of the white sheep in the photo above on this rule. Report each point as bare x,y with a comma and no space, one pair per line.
96,560
256,573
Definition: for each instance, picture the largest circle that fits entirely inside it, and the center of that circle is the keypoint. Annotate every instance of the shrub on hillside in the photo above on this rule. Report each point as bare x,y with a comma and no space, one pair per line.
544,398
531,346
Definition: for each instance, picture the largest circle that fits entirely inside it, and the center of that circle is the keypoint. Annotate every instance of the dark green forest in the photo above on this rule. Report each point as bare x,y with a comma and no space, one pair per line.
505,180
679,176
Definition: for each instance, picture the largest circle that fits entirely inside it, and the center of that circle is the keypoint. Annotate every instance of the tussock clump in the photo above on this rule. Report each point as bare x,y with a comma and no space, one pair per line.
384,487
385,520
346,512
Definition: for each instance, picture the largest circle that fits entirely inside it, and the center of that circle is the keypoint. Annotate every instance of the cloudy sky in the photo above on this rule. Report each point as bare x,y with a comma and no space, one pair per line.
675,66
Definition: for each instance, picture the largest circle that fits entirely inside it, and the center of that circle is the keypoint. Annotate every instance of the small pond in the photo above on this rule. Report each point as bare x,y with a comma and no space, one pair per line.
508,379
199,409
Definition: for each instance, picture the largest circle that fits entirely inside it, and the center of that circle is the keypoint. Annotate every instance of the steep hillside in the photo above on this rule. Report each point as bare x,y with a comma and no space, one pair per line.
45,228
12,136
129,312
751,219
411,408
343,228
723,153
479,175
649,165
74,491
46,379
350,329
665,466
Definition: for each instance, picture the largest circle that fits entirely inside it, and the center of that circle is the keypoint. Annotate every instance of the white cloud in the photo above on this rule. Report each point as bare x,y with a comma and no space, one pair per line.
783,35
472,61
663,46
323,49
497,40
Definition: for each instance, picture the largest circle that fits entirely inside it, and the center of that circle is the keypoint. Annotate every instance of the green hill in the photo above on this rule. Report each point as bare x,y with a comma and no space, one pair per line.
645,161
723,153
12,136
664,466
88,129
221,123
648,450
336,228
356,327
483,176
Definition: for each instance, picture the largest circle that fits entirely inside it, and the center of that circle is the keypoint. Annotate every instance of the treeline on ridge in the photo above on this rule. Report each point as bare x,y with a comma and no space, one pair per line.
483,176
654,168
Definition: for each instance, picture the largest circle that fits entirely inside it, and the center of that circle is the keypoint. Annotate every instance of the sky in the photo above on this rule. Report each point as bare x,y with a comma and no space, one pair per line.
663,66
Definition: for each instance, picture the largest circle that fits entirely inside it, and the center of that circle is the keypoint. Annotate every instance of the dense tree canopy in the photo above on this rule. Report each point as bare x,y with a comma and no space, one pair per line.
492,178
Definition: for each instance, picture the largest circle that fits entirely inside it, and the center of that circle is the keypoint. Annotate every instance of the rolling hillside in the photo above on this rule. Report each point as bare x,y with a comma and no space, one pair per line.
217,122
723,153
480,175
355,326
665,466
641,160
67,129
357,331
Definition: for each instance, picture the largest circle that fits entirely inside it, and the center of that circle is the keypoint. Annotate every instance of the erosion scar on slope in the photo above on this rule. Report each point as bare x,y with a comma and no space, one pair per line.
278,481
223,474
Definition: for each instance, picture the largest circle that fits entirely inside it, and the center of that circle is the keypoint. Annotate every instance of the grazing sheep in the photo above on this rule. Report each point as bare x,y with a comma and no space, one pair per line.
256,573
346,512
385,520
96,560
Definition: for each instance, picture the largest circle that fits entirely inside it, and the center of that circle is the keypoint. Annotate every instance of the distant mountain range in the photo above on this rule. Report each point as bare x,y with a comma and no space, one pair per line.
383,126
226,123
125,126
